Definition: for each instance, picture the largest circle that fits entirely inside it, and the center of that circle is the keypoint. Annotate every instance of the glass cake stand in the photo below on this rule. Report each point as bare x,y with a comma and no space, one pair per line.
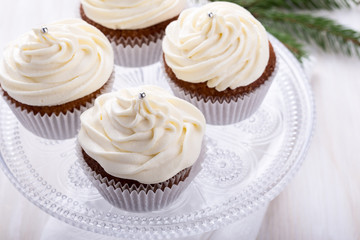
247,164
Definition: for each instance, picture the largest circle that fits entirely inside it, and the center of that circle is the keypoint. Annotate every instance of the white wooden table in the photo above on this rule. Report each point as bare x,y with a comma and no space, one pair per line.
321,202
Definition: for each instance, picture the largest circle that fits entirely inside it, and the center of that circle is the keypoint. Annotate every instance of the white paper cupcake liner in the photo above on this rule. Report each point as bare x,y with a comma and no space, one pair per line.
140,200
226,112
58,127
133,55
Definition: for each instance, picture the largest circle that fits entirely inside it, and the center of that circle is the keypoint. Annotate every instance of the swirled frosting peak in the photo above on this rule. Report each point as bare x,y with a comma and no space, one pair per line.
131,14
219,43
56,64
148,137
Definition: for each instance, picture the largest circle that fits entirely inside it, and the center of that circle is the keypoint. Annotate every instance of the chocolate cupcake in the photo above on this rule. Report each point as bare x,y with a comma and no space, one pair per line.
50,75
134,28
141,147
219,58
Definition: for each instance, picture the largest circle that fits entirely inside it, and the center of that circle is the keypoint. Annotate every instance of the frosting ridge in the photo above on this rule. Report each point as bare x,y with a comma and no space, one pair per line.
131,14
219,43
147,139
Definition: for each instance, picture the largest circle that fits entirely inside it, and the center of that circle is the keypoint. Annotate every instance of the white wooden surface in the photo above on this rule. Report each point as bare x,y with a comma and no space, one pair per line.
321,202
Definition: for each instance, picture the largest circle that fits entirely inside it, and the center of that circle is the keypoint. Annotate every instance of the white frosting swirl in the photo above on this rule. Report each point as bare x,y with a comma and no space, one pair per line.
149,140
219,43
131,14
71,61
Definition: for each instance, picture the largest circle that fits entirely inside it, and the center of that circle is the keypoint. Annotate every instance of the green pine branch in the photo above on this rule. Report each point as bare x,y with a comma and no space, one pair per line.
326,33
295,4
294,29
290,42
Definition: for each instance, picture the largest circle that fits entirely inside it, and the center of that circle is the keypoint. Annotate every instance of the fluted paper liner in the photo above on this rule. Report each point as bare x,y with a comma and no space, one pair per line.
225,113
137,52
140,200
59,127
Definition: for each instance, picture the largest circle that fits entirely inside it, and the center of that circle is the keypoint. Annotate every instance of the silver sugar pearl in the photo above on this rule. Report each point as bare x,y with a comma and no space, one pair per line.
211,14
142,95
44,30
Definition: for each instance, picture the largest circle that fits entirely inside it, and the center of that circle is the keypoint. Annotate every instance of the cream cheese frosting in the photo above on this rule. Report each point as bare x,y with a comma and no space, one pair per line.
131,14
65,61
219,43
147,139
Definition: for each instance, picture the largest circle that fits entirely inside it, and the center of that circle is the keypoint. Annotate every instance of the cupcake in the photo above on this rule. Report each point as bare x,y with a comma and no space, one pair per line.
134,28
219,58
141,147
50,75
